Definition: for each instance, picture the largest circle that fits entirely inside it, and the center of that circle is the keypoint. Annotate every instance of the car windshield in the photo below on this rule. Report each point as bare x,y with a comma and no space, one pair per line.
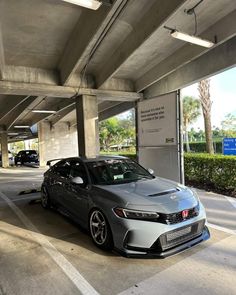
116,171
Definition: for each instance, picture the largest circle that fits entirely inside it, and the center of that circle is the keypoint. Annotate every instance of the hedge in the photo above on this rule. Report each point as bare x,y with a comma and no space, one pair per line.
217,171
200,147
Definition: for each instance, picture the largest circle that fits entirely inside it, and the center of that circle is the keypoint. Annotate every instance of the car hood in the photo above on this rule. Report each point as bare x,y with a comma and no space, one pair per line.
157,194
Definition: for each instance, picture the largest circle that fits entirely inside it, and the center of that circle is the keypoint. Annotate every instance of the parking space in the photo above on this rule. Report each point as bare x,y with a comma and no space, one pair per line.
43,252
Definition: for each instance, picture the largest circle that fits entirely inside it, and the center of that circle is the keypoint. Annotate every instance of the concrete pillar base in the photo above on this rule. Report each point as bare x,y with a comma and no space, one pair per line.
4,149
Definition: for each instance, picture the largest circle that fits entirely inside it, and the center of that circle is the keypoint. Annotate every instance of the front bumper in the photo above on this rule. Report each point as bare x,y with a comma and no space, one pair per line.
134,238
159,253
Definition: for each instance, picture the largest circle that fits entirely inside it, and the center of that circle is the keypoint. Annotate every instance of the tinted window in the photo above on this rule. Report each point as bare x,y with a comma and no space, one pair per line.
62,168
116,171
78,170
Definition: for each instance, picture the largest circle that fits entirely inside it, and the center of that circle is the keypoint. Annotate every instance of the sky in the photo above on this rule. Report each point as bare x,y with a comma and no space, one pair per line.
223,96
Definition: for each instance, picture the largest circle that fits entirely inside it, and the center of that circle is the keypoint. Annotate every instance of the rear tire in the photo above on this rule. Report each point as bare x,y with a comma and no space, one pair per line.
100,230
45,199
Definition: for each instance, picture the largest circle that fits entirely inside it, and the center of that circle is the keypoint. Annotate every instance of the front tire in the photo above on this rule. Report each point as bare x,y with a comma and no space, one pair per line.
45,199
100,230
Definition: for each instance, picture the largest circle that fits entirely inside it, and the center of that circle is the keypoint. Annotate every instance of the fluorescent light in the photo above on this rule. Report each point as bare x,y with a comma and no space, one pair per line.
91,4
13,133
43,111
191,39
21,126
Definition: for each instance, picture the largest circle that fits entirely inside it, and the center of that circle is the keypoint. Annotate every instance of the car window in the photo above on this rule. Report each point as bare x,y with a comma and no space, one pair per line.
62,168
78,170
116,171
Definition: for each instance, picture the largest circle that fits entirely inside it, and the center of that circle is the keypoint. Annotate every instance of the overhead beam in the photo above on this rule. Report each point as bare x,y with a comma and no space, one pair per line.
218,59
224,29
30,75
82,42
9,103
17,111
105,105
61,114
14,88
157,15
60,107
116,110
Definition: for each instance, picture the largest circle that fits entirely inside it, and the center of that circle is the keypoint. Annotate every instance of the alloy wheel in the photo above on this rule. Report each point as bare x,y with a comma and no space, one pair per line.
98,227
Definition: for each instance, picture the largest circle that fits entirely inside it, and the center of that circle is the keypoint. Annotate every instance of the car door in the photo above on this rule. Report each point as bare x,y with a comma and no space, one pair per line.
59,182
77,195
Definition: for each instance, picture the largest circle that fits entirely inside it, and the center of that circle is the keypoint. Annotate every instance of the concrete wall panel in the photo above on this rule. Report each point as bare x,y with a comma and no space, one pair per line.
59,141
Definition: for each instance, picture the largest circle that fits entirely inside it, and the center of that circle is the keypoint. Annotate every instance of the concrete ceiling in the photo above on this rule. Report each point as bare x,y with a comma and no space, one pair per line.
51,50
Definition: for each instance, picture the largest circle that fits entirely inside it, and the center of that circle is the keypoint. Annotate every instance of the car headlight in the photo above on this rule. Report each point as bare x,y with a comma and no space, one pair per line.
136,214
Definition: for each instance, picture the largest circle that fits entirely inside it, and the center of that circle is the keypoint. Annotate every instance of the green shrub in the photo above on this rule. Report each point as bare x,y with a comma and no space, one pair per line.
200,147
217,171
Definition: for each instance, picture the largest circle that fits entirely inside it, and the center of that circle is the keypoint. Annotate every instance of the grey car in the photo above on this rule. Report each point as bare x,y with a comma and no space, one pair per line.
124,206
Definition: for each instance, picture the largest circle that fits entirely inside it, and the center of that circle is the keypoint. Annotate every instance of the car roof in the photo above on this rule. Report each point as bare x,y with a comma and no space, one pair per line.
99,158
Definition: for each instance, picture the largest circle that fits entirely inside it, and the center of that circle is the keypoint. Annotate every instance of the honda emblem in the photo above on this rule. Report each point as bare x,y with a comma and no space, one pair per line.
185,214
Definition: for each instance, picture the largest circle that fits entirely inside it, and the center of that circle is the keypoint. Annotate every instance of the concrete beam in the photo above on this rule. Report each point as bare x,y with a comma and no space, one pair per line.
116,110
30,75
9,103
157,15
218,59
61,114
17,111
80,49
105,105
223,29
14,88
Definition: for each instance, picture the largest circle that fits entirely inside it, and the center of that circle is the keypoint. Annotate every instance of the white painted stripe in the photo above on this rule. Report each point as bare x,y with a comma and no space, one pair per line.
83,286
231,200
221,228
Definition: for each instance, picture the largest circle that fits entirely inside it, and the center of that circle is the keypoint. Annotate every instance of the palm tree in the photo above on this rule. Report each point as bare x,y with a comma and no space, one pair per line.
191,111
204,95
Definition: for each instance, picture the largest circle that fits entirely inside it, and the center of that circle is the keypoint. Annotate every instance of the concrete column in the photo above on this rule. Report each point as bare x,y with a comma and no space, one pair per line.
87,126
41,138
4,149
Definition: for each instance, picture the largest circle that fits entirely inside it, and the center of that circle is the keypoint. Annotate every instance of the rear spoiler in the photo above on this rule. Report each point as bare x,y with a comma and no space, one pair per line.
50,161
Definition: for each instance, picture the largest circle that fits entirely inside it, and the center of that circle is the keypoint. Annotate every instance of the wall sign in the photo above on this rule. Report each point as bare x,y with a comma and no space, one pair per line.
157,121
229,146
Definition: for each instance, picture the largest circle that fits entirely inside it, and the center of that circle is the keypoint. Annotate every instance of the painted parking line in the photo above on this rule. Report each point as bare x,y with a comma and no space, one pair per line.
231,200
208,271
221,228
73,274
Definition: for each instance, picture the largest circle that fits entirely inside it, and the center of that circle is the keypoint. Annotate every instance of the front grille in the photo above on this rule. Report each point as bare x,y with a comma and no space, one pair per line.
174,218
179,236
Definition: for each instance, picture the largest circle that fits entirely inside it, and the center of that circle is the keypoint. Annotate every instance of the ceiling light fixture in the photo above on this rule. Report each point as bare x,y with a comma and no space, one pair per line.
43,111
91,4
191,39
21,126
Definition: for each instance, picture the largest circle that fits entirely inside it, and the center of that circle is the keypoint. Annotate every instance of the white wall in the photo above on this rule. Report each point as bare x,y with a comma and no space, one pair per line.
60,141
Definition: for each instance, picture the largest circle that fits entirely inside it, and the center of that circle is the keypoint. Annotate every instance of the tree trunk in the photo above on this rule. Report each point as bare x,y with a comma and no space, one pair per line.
204,94
208,134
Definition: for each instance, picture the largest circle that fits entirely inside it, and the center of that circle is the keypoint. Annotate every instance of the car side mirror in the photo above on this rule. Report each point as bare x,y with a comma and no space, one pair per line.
150,171
77,180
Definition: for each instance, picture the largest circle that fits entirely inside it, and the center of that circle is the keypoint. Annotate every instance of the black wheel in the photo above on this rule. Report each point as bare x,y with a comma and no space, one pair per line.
100,230
45,199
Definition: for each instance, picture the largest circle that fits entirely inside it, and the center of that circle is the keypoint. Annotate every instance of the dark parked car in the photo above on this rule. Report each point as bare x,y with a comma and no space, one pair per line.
124,206
26,156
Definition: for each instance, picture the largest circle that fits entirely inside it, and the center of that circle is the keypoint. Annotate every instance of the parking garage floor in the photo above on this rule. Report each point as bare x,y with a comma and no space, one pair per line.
42,252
